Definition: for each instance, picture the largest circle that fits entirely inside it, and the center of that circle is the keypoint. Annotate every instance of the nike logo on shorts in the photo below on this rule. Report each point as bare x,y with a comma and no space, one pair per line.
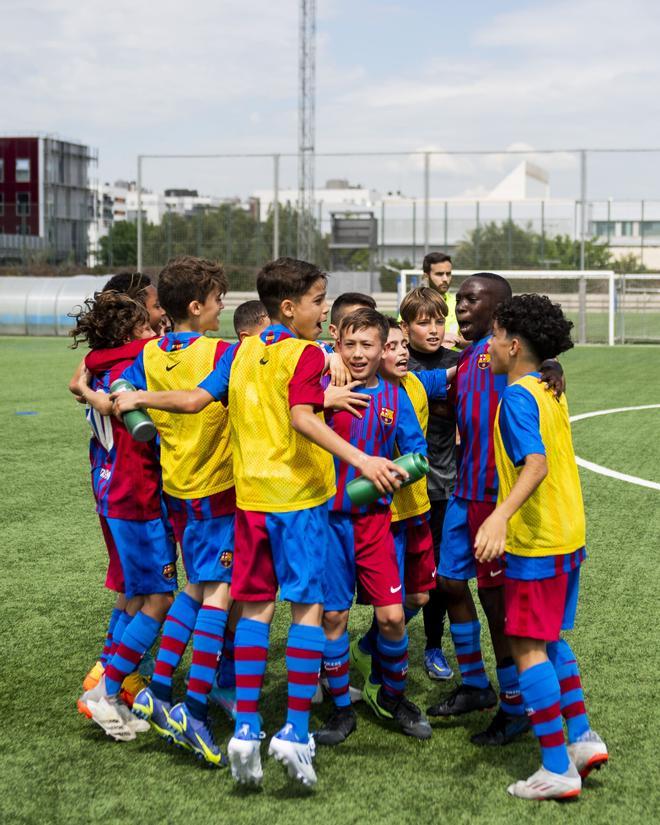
395,589
494,573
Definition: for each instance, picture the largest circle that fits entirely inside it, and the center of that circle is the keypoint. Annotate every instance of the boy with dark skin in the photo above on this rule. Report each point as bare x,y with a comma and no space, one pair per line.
475,394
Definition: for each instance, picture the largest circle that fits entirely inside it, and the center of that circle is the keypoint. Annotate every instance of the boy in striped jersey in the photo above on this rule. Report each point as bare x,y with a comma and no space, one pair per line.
539,525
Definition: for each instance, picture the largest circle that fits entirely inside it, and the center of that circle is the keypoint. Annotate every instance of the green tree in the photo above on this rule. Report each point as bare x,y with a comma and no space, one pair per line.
628,265
119,246
389,281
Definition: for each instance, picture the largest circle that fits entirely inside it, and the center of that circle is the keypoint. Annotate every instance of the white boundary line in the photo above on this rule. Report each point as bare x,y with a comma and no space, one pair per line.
605,471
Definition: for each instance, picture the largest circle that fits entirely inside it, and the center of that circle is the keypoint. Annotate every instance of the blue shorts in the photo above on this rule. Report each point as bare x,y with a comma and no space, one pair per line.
207,548
462,521
147,555
361,554
280,550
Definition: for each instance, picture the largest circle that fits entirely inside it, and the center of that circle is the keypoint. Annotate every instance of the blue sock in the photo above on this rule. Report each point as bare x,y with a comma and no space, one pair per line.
335,662
393,658
177,630
122,622
207,647
304,649
109,638
136,639
540,689
467,643
570,685
510,697
251,653
410,613
227,675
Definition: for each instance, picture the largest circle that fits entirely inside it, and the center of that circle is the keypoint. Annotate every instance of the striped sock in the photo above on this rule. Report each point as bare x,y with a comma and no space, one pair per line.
250,653
304,649
540,689
572,698
137,638
177,630
467,643
122,622
335,662
393,658
207,647
510,697
227,675
107,645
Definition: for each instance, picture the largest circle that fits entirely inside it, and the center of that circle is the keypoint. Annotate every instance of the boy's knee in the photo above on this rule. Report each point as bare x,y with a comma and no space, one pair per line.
391,621
415,601
335,623
157,604
454,589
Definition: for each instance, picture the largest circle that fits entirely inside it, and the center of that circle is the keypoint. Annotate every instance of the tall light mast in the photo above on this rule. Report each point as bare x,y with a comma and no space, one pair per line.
306,118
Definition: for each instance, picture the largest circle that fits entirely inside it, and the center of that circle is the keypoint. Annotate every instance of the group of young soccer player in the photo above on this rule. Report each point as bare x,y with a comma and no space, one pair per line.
257,444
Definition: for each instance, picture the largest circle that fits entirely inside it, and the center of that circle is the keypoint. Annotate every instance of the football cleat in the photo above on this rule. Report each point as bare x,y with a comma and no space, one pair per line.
295,756
360,660
92,695
370,696
92,679
156,713
405,714
337,728
224,697
504,728
244,752
589,753
323,690
464,699
545,784
436,665
131,686
197,733
107,713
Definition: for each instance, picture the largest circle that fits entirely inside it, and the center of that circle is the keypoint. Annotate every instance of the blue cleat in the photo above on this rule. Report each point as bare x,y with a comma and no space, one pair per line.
224,697
156,712
436,665
197,734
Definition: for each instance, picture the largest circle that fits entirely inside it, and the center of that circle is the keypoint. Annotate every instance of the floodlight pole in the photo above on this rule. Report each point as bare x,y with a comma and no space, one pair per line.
582,293
276,207
427,195
139,213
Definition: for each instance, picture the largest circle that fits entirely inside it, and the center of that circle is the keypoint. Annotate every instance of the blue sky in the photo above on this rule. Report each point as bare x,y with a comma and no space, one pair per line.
221,76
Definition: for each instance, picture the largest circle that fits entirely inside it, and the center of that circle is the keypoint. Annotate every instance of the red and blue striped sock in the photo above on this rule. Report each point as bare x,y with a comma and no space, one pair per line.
227,675
207,647
393,660
107,645
135,641
540,689
304,649
467,643
572,697
177,630
335,662
250,654
511,700
123,621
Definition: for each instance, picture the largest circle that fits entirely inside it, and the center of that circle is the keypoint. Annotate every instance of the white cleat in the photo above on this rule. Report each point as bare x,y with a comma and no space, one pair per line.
295,756
323,690
589,753
545,784
108,715
245,758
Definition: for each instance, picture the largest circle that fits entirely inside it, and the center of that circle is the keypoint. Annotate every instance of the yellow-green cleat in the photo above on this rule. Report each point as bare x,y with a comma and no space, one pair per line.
360,660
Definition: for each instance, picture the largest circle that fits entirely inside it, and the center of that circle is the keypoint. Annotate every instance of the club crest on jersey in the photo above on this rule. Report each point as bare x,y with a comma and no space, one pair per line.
483,360
387,416
169,571
270,337
176,346
226,558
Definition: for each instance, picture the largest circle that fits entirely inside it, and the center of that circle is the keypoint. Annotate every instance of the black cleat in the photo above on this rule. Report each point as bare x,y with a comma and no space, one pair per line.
406,715
464,699
337,728
504,728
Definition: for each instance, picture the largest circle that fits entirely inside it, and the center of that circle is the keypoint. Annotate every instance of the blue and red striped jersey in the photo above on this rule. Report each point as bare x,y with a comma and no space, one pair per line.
389,420
476,392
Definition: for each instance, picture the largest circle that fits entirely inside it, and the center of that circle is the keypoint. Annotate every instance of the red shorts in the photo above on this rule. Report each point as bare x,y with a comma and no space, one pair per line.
361,554
415,556
540,608
114,578
462,521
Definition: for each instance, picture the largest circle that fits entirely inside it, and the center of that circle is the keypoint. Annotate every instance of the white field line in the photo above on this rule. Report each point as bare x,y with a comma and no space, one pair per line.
605,471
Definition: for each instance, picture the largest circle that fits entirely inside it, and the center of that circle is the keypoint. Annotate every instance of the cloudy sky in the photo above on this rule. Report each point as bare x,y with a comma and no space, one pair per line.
221,76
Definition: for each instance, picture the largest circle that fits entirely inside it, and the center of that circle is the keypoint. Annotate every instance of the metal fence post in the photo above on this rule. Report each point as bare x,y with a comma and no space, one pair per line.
582,295
476,240
414,232
641,234
445,221
427,194
382,232
276,206
140,260
509,238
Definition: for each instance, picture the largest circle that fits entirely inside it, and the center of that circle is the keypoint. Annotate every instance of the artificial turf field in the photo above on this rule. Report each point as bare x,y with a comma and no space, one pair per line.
56,767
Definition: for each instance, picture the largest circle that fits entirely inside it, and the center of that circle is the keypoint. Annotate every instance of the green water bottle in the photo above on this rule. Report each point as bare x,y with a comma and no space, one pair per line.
362,491
137,422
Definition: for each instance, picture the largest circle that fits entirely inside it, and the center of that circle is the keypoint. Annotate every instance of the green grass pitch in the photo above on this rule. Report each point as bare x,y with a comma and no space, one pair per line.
56,767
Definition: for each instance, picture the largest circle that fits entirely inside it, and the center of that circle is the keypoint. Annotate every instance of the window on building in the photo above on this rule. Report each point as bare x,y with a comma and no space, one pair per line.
603,228
22,170
22,204
2,170
627,228
651,229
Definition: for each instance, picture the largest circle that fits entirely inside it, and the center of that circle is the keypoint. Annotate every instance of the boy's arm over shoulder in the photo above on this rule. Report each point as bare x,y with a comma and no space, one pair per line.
520,424
305,385
409,435
216,382
434,383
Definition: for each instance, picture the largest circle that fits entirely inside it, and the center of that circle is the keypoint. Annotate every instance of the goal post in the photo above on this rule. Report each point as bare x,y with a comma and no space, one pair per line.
589,297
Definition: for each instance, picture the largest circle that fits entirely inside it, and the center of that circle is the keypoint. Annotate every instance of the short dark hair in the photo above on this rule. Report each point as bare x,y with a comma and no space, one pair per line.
186,279
128,283
349,299
247,315
502,286
434,258
542,324
365,318
392,323
285,278
425,302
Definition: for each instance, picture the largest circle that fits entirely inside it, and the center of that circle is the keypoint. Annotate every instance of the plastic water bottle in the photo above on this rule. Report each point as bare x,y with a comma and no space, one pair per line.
137,422
362,491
